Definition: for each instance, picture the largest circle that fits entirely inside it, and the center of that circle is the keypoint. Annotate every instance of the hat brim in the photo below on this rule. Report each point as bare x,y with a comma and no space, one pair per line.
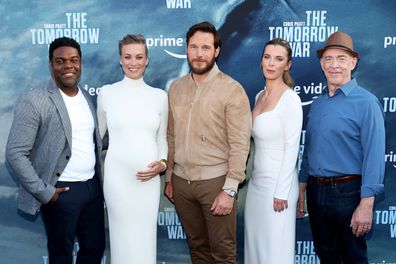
319,52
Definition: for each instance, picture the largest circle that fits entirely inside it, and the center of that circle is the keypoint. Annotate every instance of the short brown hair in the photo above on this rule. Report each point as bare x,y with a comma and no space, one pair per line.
206,27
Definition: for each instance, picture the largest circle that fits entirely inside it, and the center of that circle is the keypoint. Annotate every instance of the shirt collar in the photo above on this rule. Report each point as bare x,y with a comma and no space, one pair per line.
346,88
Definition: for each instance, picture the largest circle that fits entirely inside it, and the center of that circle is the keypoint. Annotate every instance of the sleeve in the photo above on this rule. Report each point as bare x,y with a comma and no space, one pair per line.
162,145
24,130
373,144
304,171
170,138
291,117
303,175
101,113
238,125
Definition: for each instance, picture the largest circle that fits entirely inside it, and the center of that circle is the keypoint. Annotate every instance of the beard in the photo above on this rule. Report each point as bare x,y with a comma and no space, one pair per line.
209,65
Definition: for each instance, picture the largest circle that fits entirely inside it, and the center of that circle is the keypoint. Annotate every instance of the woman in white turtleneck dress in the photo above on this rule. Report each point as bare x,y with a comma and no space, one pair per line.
135,115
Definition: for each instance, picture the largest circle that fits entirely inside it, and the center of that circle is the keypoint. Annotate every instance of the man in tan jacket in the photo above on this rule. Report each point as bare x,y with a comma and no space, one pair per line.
208,136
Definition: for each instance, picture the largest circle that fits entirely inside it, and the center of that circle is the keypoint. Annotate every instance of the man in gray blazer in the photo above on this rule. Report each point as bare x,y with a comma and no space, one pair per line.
54,151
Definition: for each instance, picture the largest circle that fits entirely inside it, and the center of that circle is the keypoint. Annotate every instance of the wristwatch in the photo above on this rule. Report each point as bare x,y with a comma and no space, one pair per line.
230,192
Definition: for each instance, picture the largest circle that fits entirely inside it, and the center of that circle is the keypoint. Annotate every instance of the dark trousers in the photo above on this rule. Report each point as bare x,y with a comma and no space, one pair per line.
78,212
212,239
330,209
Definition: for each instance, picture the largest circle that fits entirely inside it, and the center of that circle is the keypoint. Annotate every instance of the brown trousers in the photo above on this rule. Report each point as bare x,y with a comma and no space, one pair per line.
212,239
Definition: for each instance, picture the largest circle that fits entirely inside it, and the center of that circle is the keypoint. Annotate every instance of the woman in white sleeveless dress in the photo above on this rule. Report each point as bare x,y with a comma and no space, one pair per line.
135,116
271,200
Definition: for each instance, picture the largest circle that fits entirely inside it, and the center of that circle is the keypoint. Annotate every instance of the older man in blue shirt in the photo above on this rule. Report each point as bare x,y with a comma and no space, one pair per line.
343,163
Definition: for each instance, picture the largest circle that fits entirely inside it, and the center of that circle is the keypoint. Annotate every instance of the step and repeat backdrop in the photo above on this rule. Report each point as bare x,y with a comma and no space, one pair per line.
27,27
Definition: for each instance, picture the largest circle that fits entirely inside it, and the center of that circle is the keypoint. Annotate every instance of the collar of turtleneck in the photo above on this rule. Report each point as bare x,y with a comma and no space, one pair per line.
135,82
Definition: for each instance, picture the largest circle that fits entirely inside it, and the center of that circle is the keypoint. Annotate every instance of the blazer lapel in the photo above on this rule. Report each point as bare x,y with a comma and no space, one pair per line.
56,97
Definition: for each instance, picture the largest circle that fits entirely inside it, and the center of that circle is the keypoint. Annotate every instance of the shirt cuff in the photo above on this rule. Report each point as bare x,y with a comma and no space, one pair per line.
231,183
303,177
371,190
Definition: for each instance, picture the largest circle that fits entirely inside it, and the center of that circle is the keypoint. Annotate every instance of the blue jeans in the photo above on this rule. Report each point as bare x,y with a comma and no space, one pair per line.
330,209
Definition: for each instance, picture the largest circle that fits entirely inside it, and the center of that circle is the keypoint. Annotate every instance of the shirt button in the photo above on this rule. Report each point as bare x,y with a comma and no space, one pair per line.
67,157
57,174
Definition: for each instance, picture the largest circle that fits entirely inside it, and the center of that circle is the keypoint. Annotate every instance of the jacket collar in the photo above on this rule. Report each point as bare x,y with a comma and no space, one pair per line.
212,73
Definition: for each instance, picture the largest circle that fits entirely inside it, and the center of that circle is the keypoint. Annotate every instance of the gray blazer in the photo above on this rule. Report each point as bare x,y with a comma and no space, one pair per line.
39,145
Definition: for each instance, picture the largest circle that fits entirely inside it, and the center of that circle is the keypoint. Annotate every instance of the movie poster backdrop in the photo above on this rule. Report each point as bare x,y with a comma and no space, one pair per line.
27,28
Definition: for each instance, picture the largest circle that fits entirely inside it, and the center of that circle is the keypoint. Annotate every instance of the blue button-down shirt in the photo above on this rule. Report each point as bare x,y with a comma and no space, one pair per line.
345,134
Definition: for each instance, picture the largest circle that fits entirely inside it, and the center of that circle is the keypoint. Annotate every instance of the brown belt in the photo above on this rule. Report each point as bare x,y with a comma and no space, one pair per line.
334,180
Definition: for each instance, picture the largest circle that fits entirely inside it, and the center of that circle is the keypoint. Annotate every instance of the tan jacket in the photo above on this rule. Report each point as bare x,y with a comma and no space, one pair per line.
208,129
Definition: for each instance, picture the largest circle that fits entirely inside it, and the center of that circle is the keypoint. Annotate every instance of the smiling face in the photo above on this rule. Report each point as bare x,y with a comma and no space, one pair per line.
337,65
134,60
65,68
275,62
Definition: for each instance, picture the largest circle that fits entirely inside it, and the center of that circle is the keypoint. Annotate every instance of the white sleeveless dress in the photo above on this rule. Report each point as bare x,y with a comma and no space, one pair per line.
270,235
135,115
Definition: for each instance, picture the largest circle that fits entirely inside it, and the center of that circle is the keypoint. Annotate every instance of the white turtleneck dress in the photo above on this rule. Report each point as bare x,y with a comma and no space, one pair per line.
135,116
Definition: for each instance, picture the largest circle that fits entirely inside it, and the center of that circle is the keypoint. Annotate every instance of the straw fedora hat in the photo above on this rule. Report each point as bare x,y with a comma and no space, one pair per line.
339,40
